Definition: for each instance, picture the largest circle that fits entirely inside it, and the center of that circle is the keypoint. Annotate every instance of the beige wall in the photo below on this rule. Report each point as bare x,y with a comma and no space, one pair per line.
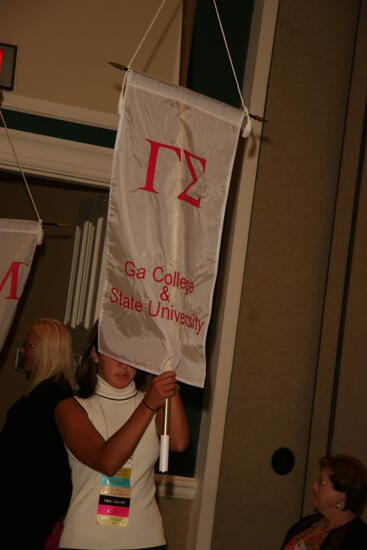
343,341
64,47
270,402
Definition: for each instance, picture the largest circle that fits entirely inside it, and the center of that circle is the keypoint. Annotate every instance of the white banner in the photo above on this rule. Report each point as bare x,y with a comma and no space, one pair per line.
18,241
172,166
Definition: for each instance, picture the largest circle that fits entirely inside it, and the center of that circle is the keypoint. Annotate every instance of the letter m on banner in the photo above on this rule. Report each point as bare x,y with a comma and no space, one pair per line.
13,274
18,240
172,166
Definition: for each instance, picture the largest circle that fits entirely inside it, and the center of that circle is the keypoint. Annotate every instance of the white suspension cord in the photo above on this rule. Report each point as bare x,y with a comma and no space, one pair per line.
20,168
247,129
146,33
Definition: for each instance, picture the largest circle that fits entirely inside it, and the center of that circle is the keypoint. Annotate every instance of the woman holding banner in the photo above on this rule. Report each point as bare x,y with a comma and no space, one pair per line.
36,481
111,432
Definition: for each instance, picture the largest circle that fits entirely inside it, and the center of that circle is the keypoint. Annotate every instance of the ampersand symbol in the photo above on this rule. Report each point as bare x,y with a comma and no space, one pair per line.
164,294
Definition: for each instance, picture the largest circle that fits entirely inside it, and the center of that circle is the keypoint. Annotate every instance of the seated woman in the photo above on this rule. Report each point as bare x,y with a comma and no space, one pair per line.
111,432
36,480
340,495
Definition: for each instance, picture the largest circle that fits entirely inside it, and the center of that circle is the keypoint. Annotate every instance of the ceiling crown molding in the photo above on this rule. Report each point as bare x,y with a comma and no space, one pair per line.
53,157
59,111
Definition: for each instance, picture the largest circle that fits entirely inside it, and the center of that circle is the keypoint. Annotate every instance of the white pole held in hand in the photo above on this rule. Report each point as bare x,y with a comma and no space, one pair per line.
164,452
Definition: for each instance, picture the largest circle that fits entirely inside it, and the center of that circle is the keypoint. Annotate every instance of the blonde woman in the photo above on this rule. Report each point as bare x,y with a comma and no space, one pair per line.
36,481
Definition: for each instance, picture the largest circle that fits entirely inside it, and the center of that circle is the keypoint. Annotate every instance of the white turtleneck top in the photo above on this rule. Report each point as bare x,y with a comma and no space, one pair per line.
108,409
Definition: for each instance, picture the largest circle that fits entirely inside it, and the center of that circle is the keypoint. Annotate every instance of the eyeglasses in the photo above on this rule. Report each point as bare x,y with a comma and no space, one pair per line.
27,344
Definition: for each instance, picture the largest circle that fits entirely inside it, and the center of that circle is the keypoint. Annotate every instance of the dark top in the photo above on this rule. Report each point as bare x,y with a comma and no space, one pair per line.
350,536
36,479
